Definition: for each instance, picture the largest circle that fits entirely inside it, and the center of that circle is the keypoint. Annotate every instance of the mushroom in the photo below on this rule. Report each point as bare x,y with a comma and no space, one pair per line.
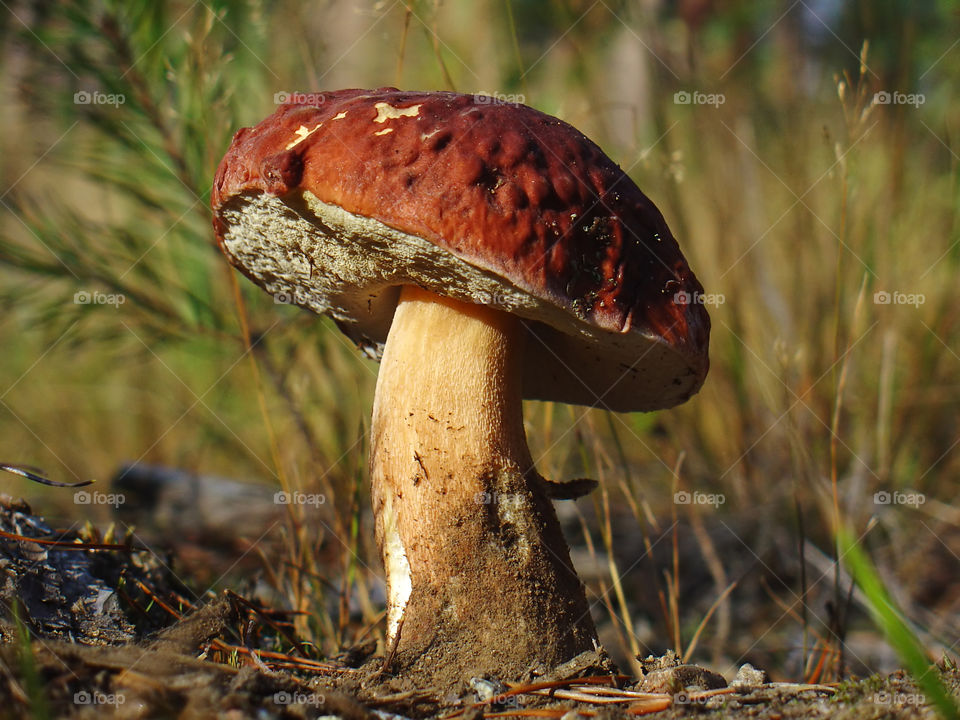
485,253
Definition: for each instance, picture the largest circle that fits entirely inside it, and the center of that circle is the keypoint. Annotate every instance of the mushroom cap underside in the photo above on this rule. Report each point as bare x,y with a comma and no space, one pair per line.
494,204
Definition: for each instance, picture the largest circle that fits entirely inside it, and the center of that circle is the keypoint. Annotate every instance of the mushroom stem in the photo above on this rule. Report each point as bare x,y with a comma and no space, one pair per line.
475,560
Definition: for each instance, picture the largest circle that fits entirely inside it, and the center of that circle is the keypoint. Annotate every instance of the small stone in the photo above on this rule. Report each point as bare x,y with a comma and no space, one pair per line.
748,676
590,662
487,689
652,663
681,678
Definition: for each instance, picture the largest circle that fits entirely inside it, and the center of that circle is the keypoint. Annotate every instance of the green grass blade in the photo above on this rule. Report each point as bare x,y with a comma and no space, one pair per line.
890,621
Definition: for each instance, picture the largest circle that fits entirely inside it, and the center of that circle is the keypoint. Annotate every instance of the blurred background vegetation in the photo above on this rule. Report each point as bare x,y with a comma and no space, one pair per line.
795,195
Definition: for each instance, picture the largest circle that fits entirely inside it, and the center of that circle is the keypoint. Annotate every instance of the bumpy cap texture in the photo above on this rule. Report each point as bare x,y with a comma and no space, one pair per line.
336,202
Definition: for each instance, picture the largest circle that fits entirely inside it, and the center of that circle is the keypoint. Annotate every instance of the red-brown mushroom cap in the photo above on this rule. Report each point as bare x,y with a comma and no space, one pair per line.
338,204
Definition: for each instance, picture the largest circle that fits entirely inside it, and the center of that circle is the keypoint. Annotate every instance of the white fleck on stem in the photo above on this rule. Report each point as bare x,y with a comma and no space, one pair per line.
397,568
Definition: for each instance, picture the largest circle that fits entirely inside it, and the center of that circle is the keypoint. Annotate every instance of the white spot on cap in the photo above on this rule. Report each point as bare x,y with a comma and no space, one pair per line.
384,131
340,116
386,111
303,133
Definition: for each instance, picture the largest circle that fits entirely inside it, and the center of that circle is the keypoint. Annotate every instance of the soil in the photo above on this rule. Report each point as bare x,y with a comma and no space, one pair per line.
90,633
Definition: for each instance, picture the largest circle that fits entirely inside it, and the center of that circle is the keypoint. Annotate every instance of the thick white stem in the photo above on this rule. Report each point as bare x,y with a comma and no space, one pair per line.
478,573
447,411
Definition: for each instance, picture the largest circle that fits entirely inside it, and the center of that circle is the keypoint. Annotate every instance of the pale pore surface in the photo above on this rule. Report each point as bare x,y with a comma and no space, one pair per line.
351,267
